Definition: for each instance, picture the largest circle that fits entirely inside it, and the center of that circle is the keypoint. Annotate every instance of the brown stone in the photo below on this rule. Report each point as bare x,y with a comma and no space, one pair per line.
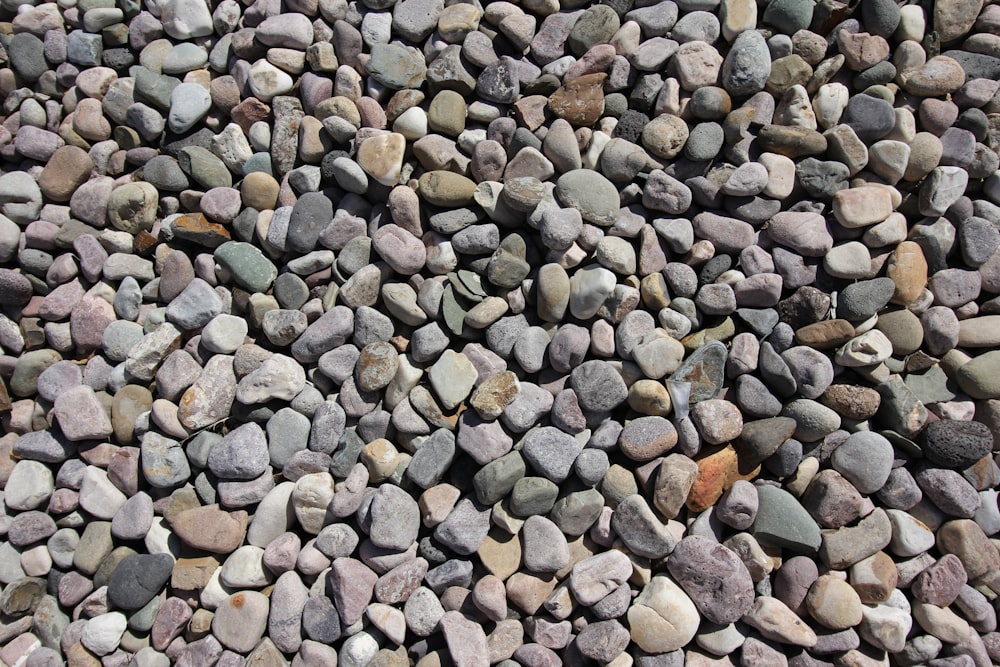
248,112
210,528
874,578
197,229
851,401
191,574
718,469
581,101
907,267
67,169
791,141
494,394
965,539
259,190
825,335
4,397
530,111
144,242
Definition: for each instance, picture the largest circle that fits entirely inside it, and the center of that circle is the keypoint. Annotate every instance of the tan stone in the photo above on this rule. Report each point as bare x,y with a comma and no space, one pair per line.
529,591
191,574
494,394
446,188
67,169
500,553
211,528
907,267
834,603
825,335
862,207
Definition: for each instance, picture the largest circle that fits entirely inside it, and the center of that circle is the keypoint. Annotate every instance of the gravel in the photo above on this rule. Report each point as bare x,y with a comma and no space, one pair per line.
407,332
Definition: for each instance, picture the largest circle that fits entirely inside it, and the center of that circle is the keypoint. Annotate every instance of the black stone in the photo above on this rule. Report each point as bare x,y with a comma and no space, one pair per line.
956,444
138,579
861,300
630,125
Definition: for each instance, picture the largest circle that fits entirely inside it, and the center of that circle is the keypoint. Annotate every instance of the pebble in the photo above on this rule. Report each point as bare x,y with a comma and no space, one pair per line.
715,294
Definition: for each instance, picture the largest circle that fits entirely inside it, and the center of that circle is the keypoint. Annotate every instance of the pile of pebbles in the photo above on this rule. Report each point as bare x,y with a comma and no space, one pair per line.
384,332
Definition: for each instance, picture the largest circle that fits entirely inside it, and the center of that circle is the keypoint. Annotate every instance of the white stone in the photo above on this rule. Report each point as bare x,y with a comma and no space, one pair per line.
829,103
279,377
102,633
245,569
912,23
311,500
189,102
98,495
868,349
267,81
588,289
29,486
224,334
663,618
184,19
910,536
412,123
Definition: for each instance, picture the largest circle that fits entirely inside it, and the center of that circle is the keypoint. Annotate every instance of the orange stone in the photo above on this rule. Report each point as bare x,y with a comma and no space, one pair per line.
718,469
197,229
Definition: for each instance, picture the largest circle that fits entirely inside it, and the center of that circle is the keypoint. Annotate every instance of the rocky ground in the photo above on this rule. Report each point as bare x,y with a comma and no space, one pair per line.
387,332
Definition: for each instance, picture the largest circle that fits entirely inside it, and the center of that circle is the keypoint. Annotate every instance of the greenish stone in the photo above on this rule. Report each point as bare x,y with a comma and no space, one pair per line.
472,282
934,386
576,512
507,267
454,314
467,288
980,378
258,162
900,410
152,88
705,370
597,25
203,166
496,479
24,381
249,267
347,454
782,522
533,495
397,66
789,16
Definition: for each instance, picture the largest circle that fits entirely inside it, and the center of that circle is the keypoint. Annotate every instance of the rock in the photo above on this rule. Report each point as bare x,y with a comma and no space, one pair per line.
714,577
662,618
138,579
240,621
782,521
